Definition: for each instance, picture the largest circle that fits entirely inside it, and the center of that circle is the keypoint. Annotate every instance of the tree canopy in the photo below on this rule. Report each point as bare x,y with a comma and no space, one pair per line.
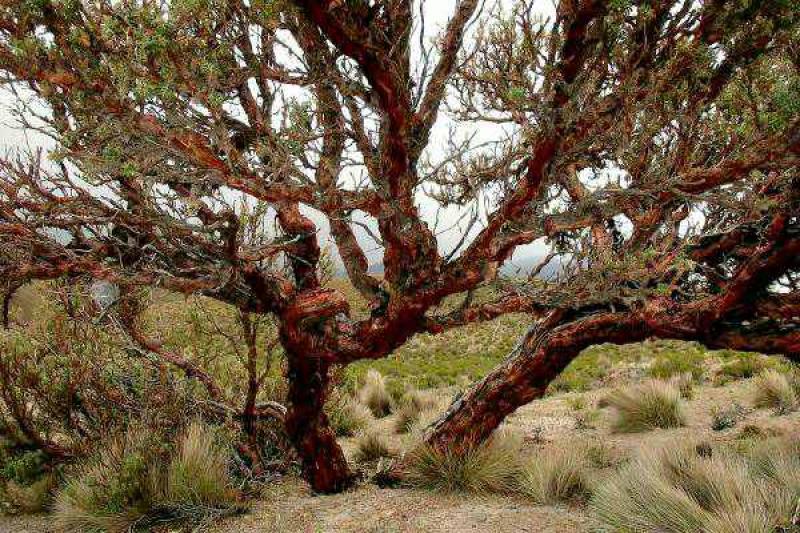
651,147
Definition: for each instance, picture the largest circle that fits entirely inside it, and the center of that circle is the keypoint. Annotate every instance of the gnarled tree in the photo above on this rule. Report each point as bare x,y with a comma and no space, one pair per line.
650,147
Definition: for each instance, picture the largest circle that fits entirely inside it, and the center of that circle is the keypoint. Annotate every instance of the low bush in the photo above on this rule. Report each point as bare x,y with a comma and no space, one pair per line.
555,475
375,395
772,389
668,364
650,405
491,467
726,417
743,366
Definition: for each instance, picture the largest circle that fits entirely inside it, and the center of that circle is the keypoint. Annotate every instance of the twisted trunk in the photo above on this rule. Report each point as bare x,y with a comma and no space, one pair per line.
324,465
536,361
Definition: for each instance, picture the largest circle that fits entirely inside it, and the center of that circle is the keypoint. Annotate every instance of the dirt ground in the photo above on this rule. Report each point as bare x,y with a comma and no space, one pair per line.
288,506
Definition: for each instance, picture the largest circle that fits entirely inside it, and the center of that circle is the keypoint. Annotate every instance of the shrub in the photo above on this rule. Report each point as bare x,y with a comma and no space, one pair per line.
375,395
132,482
679,490
411,407
726,417
372,446
347,416
772,389
650,405
675,363
555,475
743,366
490,467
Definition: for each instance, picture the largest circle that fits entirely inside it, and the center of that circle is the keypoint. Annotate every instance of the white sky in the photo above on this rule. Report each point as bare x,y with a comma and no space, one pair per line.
437,13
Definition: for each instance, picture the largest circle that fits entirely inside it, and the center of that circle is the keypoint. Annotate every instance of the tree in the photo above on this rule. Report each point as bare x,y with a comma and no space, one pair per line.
651,146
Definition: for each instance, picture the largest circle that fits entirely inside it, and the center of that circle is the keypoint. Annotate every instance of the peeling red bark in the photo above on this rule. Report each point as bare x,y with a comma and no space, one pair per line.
324,464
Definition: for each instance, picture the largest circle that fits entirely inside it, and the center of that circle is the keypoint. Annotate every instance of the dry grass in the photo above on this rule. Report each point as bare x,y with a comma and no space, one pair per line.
556,474
679,490
652,404
772,389
32,498
375,395
129,485
372,446
490,467
413,405
348,416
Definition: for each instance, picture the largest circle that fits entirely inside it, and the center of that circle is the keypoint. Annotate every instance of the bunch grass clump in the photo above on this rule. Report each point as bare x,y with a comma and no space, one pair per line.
133,483
413,404
372,446
773,389
487,468
556,475
375,395
681,490
652,404
348,416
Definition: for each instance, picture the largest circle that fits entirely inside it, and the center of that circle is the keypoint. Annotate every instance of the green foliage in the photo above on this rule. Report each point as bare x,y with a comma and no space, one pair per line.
726,417
674,363
650,405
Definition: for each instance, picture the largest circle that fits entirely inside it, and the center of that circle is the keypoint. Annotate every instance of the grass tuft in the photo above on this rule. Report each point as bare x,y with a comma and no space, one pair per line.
680,490
375,395
490,467
129,484
772,389
650,405
347,416
372,446
413,405
556,475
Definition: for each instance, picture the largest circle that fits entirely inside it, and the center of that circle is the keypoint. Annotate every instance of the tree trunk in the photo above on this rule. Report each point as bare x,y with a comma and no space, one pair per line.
324,465
536,361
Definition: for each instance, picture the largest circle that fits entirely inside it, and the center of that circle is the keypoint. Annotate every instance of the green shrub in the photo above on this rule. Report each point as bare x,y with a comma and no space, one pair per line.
491,467
556,475
772,389
650,405
375,395
133,482
675,363
743,366
347,416
726,417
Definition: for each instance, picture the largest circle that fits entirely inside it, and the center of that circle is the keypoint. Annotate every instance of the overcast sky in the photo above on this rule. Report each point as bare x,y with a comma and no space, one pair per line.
437,13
